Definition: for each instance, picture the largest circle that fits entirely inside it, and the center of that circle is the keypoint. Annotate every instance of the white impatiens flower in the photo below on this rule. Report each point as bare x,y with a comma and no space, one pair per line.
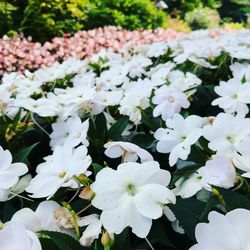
178,137
224,232
132,195
226,131
187,187
241,70
184,82
169,101
42,219
127,150
59,170
219,171
234,96
72,132
93,229
241,157
14,236
136,98
17,189
9,172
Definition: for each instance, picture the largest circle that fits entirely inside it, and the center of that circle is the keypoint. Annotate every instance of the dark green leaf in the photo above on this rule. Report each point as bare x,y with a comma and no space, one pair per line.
189,212
233,199
143,140
63,241
22,155
117,128
122,241
97,168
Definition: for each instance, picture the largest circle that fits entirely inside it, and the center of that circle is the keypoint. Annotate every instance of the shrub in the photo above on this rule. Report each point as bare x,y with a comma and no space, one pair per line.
44,19
203,18
129,14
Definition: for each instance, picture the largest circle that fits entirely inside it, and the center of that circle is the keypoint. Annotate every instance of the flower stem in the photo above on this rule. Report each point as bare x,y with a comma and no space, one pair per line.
37,124
84,209
149,244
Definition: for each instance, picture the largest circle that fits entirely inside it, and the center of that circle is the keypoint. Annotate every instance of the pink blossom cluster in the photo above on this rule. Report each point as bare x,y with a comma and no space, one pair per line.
18,54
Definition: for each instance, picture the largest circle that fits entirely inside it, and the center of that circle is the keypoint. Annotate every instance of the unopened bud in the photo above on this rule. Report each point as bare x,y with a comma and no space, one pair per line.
9,134
107,240
87,194
83,179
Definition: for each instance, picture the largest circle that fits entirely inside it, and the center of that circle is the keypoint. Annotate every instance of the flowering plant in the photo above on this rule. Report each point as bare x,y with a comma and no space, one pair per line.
148,149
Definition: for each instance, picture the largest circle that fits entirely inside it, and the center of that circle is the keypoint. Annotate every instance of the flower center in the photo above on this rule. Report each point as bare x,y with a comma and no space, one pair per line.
183,138
62,174
171,99
230,138
131,189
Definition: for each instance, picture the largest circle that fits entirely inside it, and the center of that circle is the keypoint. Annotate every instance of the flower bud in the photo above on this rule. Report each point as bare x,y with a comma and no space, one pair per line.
87,194
83,179
107,240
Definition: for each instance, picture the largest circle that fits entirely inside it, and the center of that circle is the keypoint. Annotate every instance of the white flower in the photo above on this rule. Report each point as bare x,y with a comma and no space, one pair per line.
42,219
184,82
179,136
187,187
159,73
16,189
128,151
169,101
235,96
14,236
136,97
241,70
59,170
9,172
93,229
223,137
71,131
219,171
241,157
132,195
224,232
175,223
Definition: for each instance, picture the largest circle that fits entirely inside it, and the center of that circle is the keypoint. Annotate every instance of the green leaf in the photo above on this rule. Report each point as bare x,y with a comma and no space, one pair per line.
122,241
61,240
98,130
143,140
97,168
22,155
48,244
117,128
189,212
233,199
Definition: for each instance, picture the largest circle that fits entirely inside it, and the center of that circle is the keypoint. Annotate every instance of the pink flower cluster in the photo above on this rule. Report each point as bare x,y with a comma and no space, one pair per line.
20,53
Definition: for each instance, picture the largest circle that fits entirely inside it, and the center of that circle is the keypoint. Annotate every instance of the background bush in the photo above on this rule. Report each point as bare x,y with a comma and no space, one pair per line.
203,18
44,19
229,10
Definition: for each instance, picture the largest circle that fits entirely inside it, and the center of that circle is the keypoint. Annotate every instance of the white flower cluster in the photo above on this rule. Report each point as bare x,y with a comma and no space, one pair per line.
161,91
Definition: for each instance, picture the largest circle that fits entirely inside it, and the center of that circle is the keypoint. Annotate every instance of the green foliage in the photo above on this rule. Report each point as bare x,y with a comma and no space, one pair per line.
7,11
58,241
129,14
44,19
236,10
203,18
184,6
